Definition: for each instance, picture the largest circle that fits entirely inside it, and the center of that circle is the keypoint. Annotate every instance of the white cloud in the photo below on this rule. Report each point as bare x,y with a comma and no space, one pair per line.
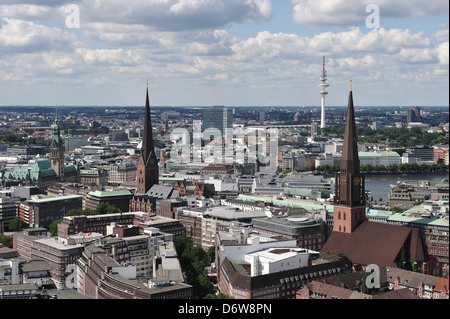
353,12
441,34
189,56
24,36
108,57
171,15
442,53
26,11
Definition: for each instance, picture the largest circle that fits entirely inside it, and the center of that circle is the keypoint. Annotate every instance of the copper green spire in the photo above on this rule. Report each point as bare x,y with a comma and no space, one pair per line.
56,132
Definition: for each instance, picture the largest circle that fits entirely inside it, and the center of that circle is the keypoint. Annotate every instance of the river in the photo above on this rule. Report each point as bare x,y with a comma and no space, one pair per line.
379,185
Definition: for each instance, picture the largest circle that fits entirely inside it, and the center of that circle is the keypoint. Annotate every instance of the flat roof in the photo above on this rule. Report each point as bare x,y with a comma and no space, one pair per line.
110,193
54,199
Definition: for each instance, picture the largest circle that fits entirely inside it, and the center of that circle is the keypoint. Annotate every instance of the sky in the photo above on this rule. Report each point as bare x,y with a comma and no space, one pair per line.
223,52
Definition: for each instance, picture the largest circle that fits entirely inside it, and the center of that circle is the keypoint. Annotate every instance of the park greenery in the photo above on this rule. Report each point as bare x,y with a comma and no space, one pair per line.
101,209
398,137
6,241
194,260
17,224
391,169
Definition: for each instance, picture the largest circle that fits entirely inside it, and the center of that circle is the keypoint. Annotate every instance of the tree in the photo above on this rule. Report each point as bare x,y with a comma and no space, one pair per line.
75,212
106,208
17,224
53,228
211,253
6,240
205,286
397,209
193,260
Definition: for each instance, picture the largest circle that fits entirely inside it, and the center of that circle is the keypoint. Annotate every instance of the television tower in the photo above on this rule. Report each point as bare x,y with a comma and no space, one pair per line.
323,85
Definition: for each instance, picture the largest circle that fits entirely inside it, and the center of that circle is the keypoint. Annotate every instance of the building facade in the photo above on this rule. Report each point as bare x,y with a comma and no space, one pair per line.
42,212
8,211
120,199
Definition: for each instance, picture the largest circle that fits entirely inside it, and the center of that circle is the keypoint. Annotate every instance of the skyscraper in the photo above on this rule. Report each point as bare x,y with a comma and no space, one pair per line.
349,200
147,170
413,115
218,117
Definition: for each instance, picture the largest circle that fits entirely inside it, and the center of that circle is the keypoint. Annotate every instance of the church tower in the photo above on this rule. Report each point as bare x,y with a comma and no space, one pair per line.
147,168
350,199
57,150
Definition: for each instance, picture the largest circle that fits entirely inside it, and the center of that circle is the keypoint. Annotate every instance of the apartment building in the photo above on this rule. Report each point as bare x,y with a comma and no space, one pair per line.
121,173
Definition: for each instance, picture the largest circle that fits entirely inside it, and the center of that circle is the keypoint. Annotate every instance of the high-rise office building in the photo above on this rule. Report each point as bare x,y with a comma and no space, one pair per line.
413,115
218,117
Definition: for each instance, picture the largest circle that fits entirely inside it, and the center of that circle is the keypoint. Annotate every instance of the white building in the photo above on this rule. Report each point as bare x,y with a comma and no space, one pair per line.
376,158
9,271
276,259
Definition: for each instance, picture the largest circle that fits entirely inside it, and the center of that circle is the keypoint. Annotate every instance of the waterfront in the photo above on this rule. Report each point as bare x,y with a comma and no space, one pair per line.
379,185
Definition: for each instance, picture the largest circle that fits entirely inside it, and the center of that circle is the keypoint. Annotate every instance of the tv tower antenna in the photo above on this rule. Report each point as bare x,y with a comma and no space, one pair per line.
323,85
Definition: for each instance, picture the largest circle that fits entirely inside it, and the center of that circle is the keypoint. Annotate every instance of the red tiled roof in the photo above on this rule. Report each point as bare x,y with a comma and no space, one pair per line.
442,285
377,243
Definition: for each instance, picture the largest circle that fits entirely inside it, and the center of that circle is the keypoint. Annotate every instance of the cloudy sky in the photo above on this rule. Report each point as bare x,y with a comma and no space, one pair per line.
228,52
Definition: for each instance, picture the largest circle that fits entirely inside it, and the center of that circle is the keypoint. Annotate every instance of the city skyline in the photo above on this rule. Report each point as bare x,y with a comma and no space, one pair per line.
216,52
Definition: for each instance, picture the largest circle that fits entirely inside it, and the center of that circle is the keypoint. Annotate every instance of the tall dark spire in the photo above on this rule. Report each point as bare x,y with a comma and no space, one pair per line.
350,160
350,181
147,170
147,141
349,195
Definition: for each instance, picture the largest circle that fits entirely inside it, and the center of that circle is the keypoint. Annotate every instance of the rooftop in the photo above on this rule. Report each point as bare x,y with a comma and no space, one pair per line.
110,193
54,199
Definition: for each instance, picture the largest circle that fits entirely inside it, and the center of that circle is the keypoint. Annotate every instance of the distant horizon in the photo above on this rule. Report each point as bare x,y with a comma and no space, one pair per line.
227,106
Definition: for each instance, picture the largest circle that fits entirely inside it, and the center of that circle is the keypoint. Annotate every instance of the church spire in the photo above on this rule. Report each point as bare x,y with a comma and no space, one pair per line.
349,181
147,170
350,160
349,195
147,141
